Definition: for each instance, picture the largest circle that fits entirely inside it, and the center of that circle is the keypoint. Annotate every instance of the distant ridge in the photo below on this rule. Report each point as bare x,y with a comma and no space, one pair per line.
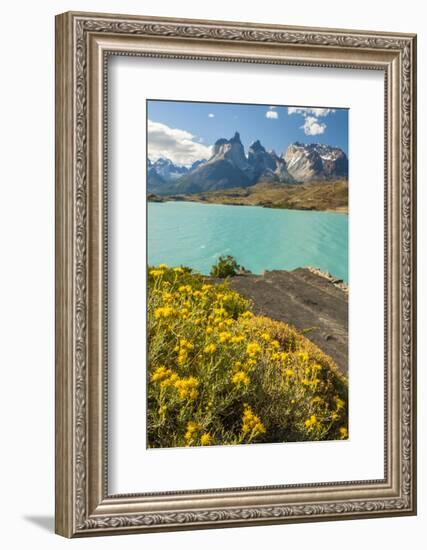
230,167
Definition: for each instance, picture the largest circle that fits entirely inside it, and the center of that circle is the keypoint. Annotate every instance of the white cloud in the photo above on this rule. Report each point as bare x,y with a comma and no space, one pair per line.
211,115
312,126
177,145
272,114
306,111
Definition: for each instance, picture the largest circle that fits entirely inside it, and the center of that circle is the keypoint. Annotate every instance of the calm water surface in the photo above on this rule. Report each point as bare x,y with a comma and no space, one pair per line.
194,235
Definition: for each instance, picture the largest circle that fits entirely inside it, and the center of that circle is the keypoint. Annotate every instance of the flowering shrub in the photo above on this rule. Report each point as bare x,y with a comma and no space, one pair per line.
218,375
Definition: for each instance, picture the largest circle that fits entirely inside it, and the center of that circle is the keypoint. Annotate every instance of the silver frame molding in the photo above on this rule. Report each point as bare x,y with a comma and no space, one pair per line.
83,43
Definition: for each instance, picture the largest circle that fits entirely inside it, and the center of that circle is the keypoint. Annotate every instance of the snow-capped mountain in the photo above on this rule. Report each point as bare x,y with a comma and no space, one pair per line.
230,167
315,161
166,169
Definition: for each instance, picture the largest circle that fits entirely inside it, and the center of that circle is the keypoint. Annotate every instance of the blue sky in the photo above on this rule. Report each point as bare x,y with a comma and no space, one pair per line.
184,131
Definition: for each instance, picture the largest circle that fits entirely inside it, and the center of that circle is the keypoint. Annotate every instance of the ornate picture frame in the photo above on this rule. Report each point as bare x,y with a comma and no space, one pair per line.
84,42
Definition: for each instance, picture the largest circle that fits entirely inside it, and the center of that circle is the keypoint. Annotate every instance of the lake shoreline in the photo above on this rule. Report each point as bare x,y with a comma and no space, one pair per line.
187,199
330,196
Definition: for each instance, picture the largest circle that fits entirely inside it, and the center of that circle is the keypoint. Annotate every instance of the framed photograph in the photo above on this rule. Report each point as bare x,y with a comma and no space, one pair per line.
235,274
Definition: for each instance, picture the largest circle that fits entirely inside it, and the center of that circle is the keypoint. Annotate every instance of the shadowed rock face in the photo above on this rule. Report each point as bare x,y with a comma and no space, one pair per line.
232,151
309,302
267,166
211,176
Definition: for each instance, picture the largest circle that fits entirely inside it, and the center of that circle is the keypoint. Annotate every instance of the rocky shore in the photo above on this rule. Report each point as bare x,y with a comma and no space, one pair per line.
312,301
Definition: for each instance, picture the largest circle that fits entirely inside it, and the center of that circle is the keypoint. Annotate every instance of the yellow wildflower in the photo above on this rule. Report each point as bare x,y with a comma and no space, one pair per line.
183,348
251,424
182,357
160,374
156,272
237,339
343,432
163,266
312,422
224,337
163,312
192,429
209,330
170,381
183,343
206,439
178,270
247,315
187,388
220,312
185,289
289,373
210,349
265,336
237,365
241,378
184,313
339,403
253,349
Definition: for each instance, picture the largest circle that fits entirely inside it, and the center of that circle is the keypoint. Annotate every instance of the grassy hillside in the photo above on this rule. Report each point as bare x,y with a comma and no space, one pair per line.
330,195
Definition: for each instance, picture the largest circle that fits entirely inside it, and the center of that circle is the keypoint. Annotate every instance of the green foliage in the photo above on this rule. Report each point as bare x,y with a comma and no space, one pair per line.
226,266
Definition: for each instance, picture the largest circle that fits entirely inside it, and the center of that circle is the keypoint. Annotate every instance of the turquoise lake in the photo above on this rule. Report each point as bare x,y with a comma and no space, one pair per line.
195,235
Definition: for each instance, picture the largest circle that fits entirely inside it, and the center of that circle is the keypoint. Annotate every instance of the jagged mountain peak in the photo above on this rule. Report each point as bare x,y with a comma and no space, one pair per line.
162,161
256,146
316,161
229,167
164,169
232,151
223,145
221,141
